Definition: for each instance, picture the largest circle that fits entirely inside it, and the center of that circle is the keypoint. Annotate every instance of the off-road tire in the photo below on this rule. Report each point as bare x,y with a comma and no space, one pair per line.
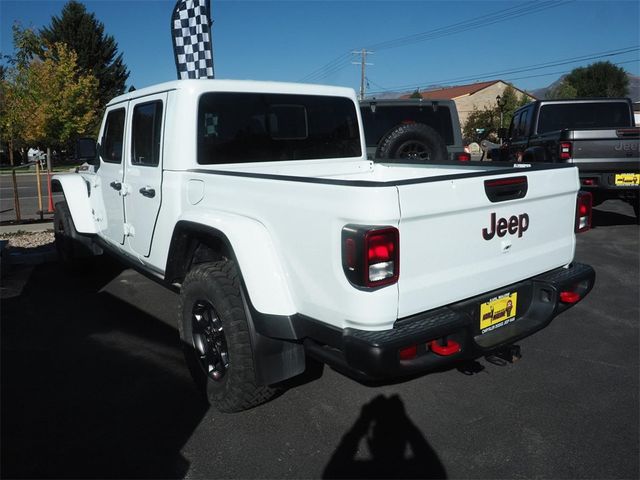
414,143
64,231
218,284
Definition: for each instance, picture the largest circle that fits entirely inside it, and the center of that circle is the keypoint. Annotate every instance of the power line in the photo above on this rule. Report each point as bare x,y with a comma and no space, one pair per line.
343,60
539,66
328,66
565,71
471,24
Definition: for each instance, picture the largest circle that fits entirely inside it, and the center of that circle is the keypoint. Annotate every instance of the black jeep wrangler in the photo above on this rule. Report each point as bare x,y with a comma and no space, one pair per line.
413,130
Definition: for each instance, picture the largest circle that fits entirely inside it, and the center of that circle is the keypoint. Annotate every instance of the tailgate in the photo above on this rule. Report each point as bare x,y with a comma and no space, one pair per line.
448,252
606,150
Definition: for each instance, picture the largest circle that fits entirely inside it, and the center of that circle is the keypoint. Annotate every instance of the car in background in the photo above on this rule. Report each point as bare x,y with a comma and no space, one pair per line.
597,135
412,130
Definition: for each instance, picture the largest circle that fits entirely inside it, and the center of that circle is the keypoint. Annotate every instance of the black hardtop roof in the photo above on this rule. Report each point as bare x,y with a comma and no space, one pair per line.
387,102
577,100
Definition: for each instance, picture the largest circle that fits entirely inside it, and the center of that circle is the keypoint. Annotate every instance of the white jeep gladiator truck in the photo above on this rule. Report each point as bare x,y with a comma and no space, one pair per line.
256,202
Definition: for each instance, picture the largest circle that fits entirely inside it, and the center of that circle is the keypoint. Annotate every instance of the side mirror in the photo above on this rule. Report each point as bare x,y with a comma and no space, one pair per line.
502,133
87,151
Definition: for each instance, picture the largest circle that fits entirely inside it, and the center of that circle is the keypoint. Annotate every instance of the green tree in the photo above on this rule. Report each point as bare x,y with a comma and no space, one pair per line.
27,45
46,101
600,79
523,100
65,100
97,52
511,101
416,94
562,90
487,120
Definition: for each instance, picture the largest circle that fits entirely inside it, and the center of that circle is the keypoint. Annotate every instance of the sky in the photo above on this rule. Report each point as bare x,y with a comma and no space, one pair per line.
414,44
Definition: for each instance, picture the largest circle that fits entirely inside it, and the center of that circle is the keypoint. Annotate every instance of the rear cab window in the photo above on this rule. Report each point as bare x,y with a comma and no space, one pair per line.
377,124
558,116
265,127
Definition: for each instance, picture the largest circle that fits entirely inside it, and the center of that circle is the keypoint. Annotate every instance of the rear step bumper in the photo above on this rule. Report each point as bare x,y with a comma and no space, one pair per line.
439,338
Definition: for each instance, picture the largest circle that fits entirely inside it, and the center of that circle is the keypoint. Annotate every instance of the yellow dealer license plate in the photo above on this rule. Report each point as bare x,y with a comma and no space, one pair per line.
498,312
623,179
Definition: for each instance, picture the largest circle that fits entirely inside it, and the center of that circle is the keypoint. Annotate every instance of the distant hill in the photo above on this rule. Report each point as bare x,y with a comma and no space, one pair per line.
634,88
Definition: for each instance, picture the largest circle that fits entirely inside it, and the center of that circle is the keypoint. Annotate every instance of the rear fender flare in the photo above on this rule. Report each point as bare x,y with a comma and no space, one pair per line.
249,243
76,192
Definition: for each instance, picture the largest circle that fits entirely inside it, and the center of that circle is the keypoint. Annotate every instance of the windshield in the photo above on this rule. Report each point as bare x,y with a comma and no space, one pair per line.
261,127
559,116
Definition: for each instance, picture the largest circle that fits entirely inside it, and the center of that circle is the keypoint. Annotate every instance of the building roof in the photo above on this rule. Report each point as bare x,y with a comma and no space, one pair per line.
458,91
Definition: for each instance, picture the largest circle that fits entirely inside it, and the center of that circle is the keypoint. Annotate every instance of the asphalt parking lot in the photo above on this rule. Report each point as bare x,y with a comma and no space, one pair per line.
94,385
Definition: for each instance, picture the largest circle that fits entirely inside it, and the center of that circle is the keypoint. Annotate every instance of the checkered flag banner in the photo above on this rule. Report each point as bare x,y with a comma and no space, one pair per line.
191,33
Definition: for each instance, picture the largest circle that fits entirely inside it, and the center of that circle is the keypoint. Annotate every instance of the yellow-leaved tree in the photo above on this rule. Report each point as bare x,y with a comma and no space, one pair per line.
64,101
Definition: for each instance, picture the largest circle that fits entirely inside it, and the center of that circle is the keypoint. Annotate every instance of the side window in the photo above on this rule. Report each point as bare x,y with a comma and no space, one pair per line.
146,132
514,127
525,120
111,144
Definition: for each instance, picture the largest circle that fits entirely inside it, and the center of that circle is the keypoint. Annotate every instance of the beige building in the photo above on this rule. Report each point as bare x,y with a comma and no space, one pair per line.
466,97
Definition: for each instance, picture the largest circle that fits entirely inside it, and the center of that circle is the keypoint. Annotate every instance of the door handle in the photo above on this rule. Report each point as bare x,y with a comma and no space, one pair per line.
148,192
116,186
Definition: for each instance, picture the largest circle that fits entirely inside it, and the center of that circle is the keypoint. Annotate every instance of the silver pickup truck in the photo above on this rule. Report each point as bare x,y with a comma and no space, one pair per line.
599,136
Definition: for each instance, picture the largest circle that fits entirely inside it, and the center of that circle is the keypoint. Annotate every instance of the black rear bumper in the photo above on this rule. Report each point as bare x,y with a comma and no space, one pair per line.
375,355
600,179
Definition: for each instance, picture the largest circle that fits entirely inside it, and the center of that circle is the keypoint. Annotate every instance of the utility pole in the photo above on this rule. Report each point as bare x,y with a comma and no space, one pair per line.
363,64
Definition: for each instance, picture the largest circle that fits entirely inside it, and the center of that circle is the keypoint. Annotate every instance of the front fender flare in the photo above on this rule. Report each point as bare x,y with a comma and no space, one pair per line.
76,193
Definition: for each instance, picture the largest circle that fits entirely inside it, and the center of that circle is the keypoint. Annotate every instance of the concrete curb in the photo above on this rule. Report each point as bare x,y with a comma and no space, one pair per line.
27,228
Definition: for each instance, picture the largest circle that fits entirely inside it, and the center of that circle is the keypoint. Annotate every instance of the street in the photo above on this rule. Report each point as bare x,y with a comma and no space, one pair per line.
94,385
28,195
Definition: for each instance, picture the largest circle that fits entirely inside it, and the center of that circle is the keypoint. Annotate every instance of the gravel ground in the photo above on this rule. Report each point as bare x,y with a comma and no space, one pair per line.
28,239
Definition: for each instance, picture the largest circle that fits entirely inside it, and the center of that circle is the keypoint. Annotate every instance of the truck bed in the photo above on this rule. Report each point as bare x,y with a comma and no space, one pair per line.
440,211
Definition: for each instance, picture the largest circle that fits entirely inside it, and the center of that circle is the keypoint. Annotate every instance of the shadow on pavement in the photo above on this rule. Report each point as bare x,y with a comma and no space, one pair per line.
91,386
389,434
605,218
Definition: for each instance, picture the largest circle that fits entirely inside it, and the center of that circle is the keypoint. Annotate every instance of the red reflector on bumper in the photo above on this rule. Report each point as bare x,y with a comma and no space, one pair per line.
569,297
409,352
445,350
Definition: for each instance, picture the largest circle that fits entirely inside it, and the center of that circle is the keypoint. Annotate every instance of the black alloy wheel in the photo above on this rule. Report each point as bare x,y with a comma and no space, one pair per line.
414,150
209,341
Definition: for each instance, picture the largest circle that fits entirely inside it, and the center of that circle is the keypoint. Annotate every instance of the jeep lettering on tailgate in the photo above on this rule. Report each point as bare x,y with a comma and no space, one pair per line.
516,224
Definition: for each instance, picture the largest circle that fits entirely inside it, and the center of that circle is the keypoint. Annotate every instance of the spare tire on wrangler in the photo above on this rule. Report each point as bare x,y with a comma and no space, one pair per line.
415,143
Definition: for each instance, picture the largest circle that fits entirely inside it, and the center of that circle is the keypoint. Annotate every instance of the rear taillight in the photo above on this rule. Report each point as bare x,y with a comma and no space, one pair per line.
565,150
370,255
583,212
464,156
